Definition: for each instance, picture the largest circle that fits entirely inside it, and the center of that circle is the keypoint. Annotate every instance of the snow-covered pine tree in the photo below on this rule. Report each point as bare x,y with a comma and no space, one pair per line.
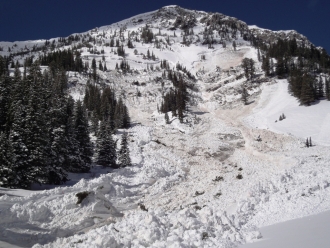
8,176
82,136
124,156
5,84
106,155
73,160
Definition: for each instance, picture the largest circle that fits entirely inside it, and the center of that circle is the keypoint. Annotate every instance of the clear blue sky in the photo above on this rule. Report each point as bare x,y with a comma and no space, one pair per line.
44,19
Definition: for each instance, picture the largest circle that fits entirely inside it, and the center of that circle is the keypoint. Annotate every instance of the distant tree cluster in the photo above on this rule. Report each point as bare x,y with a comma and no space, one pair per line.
175,100
308,88
147,35
65,59
124,66
164,64
107,114
103,106
291,56
248,67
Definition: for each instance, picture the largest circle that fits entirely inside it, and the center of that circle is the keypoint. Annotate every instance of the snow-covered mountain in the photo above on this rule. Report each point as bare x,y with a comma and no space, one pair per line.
210,181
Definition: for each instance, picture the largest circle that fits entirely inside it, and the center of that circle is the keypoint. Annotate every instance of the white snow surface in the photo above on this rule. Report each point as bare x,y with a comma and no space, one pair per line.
301,121
311,231
186,175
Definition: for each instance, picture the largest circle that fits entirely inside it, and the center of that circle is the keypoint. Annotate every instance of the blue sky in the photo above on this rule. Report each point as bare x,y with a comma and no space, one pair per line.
36,19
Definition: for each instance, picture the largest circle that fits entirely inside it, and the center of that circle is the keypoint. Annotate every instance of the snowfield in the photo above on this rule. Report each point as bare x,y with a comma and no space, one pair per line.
207,182
185,176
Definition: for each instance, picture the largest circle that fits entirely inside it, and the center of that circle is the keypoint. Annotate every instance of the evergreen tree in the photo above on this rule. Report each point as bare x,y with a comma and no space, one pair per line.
8,176
82,136
245,95
320,88
73,160
266,66
106,155
280,67
327,88
100,66
5,84
167,119
234,45
248,67
307,95
124,157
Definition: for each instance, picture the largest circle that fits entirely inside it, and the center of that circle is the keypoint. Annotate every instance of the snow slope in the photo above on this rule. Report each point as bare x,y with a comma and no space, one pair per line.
206,182
301,121
311,231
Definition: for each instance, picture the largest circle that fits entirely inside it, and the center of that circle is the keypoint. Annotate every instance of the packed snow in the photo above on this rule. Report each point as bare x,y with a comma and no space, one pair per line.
207,182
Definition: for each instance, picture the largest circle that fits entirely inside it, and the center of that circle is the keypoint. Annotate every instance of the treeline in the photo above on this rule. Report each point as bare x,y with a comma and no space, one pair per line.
147,35
104,106
44,133
308,88
66,59
300,63
290,56
107,114
176,99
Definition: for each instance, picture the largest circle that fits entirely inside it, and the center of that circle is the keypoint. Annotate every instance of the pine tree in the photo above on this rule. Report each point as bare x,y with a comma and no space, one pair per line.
248,67
234,45
266,65
82,136
327,88
320,88
167,119
5,84
106,155
73,160
8,176
307,95
100,66
245,95
124,156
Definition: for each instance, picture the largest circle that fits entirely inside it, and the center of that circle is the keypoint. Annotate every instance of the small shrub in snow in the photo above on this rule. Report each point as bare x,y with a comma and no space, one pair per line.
217,179
239,176
282,117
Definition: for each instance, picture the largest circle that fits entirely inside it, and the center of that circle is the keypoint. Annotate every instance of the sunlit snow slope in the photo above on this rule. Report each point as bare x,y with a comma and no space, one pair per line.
206,182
